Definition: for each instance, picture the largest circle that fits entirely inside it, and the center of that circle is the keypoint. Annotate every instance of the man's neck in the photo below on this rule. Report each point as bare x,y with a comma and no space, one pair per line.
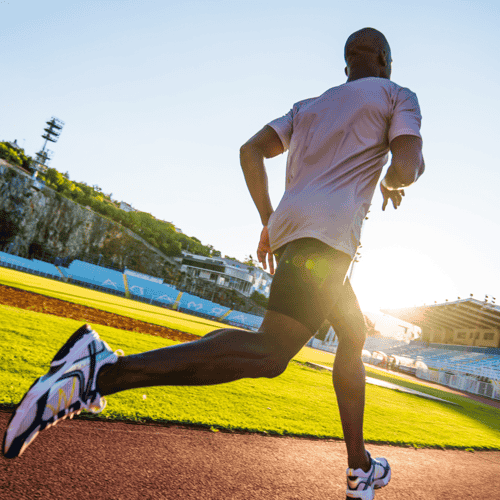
363,72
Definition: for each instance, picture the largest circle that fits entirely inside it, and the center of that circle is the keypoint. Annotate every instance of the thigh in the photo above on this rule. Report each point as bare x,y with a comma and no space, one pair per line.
308,281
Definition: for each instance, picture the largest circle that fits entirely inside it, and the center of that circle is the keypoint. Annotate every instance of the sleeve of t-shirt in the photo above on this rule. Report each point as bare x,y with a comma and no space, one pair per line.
406,118
283,126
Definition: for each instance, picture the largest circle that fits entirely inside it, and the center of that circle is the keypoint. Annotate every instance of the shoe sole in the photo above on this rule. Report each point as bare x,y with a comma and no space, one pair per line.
363,495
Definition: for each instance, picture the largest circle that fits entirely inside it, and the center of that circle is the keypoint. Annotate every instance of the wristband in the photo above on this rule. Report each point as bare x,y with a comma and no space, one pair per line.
383,183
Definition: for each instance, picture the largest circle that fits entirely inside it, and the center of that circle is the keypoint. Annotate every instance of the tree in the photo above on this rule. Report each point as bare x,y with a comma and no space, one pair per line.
55,179
259,298
15,156
172,248
161,234
8,153
250,262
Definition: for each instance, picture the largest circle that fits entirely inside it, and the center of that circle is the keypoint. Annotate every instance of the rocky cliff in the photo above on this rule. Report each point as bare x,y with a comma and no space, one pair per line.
36,221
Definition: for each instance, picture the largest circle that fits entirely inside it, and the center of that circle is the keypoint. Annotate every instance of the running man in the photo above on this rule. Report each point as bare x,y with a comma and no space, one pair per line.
337,145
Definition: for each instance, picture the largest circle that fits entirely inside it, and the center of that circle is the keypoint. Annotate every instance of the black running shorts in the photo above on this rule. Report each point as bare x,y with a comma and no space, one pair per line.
309,281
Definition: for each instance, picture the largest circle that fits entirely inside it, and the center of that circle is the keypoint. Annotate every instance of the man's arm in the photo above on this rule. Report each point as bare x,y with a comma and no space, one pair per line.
406,167
407,163
264,144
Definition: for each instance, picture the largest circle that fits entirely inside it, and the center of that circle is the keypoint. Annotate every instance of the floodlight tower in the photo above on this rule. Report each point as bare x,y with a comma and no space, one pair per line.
52,132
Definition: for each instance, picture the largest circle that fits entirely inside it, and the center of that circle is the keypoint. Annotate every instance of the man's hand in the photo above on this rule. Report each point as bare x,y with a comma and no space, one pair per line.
264,251
395,196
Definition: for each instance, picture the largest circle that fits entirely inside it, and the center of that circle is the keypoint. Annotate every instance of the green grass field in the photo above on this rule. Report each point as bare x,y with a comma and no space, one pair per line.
106,302
300,402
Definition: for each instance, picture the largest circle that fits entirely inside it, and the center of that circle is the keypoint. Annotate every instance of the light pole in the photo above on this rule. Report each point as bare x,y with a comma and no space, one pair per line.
52,132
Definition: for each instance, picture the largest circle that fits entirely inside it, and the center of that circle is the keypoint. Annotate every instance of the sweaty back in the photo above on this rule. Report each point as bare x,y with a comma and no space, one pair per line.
337,146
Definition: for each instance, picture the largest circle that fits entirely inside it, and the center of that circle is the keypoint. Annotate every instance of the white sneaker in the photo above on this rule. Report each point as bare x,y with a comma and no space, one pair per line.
68,388
361,484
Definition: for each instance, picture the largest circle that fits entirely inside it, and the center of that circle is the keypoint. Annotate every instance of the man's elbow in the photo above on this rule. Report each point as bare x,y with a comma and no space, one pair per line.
409,170
422,168
250,153
247,149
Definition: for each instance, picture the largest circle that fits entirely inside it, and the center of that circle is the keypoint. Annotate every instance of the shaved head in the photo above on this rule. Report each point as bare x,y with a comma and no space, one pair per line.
366,41
368,46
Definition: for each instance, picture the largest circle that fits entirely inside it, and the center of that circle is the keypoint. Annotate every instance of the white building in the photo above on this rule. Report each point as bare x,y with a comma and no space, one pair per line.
227,273
262,281
215,270
126,207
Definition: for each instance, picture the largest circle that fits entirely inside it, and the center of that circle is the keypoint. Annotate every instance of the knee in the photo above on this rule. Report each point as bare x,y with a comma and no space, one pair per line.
271,366
352,333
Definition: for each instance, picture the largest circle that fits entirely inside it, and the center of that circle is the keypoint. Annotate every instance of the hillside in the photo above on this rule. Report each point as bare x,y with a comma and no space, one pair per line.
162,235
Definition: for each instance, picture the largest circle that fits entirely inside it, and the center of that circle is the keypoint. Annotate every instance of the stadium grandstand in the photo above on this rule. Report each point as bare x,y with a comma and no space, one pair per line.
459,346
466,322
30,265
460,343
134,285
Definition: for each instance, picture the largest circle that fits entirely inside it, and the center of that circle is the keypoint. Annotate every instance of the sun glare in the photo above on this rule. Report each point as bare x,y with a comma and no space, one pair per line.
399,277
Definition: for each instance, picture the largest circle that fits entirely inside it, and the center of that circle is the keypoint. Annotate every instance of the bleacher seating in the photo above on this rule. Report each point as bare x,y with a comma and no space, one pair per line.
111,280
46,267
96,275
452,359
36,266
158,292
244,319
192,303
373,344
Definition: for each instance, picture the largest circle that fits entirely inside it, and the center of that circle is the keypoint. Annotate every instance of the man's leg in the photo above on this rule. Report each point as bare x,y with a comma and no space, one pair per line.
221,356
85,368
349,374
302,293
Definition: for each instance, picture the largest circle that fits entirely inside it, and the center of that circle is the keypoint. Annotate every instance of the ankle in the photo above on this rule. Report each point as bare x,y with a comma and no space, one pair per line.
361,462
106,378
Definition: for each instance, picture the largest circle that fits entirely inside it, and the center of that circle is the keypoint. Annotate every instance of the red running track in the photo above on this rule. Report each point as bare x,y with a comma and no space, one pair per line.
83,459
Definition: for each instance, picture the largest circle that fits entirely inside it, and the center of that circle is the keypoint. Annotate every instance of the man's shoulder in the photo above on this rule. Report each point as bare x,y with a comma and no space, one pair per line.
311,100
401,88
304,102
372,82
392,91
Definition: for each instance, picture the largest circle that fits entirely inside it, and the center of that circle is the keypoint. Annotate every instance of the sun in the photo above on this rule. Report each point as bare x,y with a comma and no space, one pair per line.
399,277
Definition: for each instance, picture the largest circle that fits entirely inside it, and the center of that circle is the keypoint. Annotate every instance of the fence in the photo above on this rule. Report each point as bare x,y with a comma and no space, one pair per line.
472,384
460,382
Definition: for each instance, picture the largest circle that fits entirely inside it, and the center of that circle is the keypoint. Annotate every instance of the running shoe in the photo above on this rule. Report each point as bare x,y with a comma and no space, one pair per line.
69,387
361,484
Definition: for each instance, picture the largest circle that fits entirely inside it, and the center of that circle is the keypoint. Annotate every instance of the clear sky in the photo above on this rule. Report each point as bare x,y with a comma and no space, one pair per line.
158,96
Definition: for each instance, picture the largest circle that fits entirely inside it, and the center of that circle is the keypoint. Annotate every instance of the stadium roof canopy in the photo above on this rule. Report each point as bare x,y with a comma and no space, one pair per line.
464,313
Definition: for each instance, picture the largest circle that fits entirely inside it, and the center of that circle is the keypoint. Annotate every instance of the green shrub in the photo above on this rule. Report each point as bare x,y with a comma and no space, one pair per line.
15,156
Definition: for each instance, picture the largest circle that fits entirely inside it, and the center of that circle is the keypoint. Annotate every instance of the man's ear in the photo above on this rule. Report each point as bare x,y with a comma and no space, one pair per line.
346,71
383,59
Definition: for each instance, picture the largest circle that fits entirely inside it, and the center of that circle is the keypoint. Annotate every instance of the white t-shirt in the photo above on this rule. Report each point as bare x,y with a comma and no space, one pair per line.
337,145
